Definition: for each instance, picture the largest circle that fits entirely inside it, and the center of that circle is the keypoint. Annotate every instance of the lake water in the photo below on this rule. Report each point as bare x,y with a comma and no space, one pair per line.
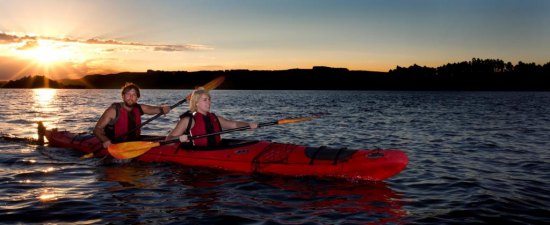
475,157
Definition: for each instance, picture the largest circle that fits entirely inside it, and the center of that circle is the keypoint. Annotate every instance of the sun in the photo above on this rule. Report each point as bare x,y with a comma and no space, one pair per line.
49,52
46,53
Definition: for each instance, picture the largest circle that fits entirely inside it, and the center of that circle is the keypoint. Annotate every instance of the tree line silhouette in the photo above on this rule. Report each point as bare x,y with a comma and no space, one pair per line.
477,74
33,82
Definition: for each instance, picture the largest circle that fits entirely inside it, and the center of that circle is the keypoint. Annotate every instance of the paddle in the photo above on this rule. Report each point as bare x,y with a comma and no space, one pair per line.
209,86
133,149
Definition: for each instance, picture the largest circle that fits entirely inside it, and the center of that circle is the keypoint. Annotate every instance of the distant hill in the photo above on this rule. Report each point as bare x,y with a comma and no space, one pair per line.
318,78
33,82
478,74
483,75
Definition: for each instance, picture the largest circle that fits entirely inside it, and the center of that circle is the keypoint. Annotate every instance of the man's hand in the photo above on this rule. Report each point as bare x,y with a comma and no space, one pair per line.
106,144
164,109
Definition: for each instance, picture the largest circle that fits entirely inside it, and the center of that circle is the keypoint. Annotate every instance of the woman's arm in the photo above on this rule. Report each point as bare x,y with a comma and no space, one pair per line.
231,124
179,129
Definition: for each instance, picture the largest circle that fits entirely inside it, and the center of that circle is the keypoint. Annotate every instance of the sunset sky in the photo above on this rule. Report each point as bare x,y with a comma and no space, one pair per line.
73,38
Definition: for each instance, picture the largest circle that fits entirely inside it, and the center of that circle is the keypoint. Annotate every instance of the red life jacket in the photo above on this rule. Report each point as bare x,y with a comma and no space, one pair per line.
206,124
124,121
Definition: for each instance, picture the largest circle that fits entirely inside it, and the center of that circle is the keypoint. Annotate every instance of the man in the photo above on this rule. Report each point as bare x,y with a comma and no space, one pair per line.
120,122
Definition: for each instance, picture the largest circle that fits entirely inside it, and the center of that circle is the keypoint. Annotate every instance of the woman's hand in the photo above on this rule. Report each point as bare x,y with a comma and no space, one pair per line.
184,138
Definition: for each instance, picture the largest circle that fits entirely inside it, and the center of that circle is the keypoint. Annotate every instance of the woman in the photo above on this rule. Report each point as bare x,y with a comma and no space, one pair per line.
199,120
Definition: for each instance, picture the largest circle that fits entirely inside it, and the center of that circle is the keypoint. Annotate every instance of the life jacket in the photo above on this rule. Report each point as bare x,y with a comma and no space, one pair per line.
204,124
123,122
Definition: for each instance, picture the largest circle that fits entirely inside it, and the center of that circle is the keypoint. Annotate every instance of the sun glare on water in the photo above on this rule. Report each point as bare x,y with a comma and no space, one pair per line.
44,96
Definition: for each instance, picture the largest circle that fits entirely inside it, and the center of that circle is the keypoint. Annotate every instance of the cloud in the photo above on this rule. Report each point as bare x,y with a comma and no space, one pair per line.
30,41
176,48
8,38
156,47
109,42
29,45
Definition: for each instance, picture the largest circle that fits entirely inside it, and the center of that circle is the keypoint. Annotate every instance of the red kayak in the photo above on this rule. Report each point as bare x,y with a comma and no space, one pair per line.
263,157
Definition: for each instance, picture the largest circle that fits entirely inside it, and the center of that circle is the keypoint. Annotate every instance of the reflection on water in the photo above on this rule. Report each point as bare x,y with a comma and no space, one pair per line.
127,177
210,197
343,199
43,106
48,195
300,200
43,96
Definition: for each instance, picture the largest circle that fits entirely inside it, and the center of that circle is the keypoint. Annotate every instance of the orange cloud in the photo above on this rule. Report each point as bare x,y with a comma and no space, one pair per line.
6,38
64,57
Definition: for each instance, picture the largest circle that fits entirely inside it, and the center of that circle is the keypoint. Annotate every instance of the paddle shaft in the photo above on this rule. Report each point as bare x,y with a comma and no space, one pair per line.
232,130
220,132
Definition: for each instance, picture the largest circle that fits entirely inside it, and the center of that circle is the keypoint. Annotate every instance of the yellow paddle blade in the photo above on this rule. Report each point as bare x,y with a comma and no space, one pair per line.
128,150
285,121
214,83
210,85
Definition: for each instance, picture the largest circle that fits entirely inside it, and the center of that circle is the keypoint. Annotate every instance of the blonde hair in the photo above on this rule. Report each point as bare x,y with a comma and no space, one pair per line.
195,98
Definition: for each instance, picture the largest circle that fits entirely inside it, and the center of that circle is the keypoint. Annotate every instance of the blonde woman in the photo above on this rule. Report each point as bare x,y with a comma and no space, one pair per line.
199,120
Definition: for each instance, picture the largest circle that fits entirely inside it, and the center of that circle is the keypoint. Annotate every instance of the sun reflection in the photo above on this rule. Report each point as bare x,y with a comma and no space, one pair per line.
47,196
44,96
49,169
29,161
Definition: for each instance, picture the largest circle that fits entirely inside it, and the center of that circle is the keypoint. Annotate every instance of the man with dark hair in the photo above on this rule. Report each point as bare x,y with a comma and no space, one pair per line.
120,122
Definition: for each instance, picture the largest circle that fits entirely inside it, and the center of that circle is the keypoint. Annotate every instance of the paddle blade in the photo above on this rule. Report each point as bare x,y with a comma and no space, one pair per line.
285,121
214,83
210,85
128,150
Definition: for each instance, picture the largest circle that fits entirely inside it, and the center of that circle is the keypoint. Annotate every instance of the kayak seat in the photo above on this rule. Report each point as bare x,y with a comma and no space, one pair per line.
82,137
325,153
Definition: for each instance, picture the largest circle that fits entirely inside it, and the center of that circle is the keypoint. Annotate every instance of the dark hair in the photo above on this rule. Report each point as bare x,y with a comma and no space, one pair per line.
129,86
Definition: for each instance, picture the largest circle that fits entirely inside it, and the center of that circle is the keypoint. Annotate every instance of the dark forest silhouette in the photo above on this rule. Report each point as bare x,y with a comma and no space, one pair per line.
478,74
33,82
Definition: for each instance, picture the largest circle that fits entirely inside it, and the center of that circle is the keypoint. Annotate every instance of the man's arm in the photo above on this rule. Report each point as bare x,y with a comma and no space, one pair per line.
99,129
152,110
